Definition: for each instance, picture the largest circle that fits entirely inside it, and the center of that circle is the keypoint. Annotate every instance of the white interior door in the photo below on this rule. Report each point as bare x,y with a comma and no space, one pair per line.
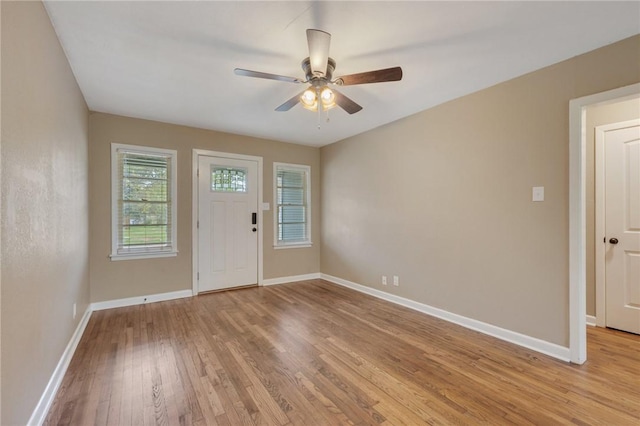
227,223
622,223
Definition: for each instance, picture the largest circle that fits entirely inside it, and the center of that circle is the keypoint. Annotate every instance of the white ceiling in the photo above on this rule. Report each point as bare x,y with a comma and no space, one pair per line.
174,61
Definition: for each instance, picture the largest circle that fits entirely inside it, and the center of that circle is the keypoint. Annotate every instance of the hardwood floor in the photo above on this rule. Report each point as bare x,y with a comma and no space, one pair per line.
314,353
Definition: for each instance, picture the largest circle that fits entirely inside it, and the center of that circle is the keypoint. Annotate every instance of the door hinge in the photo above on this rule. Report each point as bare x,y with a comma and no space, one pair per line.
198,172
198,224
604,240
198,276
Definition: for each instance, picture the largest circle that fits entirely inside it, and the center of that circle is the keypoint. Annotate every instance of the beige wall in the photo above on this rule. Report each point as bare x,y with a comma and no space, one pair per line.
121,279
443,198
596,116
44,206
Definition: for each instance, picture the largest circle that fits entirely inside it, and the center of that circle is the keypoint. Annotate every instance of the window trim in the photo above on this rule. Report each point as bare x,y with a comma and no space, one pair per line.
298,244
143,253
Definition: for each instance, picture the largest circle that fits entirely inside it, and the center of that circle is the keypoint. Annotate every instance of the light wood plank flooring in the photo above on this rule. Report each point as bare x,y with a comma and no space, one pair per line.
313,353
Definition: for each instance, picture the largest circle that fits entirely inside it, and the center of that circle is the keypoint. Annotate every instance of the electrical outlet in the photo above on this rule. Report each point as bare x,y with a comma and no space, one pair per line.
74,311
384,280
396,280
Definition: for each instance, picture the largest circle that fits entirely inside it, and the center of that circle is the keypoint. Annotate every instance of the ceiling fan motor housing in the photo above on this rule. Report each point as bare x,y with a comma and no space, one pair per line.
318,80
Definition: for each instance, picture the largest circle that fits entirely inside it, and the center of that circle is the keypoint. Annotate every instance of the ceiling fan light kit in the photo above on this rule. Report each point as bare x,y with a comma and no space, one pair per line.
319,89
318,69
309,98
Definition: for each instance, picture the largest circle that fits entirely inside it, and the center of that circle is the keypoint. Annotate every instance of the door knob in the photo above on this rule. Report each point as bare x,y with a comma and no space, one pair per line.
255,229
613,241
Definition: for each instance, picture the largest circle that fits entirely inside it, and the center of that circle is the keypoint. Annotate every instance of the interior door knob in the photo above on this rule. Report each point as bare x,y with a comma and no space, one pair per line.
613,241
255,229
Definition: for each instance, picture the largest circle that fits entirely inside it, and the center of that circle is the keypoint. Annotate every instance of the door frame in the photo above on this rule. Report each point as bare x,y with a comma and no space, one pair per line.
195,206
600,193
577,214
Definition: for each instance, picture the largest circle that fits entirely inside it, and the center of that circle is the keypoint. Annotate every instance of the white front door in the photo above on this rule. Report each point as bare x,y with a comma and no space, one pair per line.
622,224
227,223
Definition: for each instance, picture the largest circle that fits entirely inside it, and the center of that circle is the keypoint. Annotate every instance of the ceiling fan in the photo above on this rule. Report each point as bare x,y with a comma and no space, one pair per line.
318,69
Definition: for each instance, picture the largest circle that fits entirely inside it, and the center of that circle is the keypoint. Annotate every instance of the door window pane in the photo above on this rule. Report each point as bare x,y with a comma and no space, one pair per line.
225,179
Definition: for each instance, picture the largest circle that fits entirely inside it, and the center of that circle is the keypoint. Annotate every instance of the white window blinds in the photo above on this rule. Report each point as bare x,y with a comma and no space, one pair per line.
144,208
292,203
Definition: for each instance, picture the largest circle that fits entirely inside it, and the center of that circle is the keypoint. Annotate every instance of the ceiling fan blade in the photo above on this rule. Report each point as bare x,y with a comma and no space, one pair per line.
318,41
346,103
290,103
378,76
258,74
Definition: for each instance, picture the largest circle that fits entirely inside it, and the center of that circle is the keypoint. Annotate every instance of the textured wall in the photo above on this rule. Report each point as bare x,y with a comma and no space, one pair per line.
44,206
443,198
128,278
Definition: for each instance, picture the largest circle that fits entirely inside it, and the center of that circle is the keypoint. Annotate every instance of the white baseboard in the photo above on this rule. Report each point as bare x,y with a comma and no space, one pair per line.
542,346
49,394
291,279
591,320
141,300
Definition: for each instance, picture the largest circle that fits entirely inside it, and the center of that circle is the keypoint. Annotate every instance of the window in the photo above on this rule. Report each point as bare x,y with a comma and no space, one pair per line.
227,179
143,202
292,205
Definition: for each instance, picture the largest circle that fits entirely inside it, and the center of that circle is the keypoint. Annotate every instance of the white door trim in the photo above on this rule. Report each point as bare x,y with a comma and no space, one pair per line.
577,214
194,209
601,319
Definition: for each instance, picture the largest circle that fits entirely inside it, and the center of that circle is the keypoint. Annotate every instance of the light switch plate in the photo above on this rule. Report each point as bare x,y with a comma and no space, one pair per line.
265,206
537,193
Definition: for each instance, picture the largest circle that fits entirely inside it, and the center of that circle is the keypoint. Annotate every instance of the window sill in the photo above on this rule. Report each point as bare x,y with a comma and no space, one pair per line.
292,246
138,256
